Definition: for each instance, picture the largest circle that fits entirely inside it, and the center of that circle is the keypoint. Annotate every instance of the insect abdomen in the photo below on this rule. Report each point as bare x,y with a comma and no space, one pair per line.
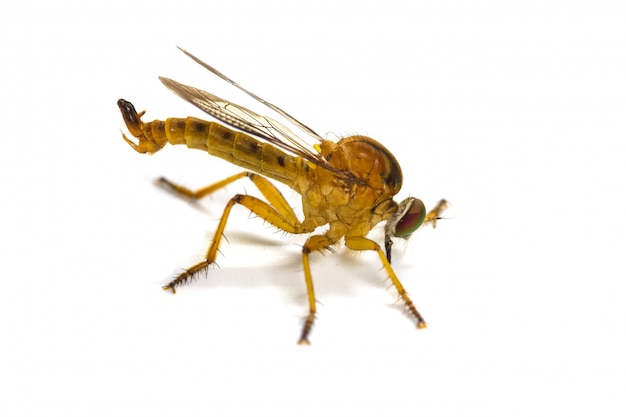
235,147
230,145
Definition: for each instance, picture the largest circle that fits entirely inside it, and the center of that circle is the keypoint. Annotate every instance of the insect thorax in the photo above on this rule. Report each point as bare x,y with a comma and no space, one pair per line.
352,207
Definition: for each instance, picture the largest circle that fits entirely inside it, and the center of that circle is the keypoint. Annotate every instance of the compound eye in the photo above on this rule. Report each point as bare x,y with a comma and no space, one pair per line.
411,217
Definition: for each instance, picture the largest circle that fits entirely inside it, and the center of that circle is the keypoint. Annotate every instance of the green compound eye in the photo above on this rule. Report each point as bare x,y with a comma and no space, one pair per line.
411,215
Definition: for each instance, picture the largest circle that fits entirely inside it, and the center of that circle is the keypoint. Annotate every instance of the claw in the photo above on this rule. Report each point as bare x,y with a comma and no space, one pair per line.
130,142
169,288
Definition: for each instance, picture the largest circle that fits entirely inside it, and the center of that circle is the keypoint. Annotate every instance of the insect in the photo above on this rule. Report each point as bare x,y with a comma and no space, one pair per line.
347,186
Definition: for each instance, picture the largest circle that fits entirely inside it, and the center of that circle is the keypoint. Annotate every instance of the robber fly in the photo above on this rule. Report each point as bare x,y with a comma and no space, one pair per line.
347,186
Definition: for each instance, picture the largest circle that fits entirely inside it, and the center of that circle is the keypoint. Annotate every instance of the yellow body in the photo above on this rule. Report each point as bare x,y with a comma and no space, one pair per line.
347,186
351,207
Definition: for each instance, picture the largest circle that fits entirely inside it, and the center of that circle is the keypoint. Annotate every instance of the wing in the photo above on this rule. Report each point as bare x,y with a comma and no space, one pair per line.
246,120
283,113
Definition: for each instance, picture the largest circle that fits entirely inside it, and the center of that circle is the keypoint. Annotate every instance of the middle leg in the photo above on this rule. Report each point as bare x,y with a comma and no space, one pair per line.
276,211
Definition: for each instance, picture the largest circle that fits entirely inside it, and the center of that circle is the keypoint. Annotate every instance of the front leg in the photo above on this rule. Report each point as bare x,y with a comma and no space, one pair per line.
362,243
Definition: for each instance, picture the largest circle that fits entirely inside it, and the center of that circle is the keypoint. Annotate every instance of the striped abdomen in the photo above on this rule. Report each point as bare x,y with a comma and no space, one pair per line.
216,139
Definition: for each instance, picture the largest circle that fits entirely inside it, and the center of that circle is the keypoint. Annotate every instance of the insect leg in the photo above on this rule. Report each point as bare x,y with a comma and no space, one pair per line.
269,191
277,212
181,191
362,243
314,243
435,213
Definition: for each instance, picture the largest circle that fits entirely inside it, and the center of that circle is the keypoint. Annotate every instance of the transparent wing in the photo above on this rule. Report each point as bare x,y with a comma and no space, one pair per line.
283,113
246,120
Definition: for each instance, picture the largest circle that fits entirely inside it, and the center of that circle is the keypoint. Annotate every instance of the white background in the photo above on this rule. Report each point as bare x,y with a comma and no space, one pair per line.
512,110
